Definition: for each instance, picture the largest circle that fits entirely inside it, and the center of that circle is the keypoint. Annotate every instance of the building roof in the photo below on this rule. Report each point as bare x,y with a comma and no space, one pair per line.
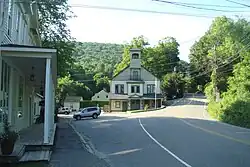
135,49
128,67
126,97
23,46
118,96
73,98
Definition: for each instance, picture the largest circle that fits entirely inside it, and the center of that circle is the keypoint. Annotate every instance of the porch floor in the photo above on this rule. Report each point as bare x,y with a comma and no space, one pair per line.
32,135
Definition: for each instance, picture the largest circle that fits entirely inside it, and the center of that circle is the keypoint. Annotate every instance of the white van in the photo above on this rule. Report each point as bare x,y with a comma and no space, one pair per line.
65,110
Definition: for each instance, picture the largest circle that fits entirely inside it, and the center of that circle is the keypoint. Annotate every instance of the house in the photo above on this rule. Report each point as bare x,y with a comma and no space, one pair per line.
134,87
73,102
101,96
26,69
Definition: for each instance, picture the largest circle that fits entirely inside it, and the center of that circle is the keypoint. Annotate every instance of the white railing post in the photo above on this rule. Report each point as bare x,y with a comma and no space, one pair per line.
47,101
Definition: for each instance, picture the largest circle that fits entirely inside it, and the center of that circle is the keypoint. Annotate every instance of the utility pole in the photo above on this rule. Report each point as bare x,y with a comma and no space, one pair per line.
155,92
214,75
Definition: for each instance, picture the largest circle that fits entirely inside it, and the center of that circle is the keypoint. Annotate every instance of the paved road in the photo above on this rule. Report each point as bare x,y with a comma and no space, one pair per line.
182,135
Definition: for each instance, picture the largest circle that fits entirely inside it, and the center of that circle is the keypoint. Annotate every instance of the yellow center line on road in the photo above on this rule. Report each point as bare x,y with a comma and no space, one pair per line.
216,133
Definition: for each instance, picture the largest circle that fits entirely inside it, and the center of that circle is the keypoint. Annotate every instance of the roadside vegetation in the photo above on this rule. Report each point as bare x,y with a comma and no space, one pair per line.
220,61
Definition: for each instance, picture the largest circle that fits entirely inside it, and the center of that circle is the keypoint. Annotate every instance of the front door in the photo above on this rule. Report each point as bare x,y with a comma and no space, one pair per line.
124,106
135,104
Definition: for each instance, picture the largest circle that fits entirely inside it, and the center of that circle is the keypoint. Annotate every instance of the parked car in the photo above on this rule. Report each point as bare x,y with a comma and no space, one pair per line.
93,112
65,110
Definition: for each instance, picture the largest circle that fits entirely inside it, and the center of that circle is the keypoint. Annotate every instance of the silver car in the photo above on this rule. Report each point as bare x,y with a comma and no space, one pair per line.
93,112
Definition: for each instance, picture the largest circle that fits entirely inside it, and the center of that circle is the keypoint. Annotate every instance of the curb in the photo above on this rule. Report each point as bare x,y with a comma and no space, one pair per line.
83,141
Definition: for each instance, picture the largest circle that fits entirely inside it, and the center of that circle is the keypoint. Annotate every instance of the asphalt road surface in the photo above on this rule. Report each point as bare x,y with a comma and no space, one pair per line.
181,135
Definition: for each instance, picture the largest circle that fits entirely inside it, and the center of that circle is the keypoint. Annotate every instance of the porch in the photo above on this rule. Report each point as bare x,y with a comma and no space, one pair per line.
134,104
30,146
27,71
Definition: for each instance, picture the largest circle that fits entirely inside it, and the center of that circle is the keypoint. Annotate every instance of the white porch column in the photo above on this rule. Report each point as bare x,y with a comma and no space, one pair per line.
129,104
47,101
141,104
53,106
10,96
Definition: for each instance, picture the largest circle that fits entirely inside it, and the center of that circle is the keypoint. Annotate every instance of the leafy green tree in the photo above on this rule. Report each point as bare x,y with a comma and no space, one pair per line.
66,86
137,42
162,58
53,16
102,82
173,84
216,49
223,49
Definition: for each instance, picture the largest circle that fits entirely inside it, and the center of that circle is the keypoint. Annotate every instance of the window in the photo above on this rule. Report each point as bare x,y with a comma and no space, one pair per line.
18,25
135,89
107,96
2,75
119,89
91,109
117,104
135,74
150,88
132,89
135,56
98,97
10,8
1,11
24,33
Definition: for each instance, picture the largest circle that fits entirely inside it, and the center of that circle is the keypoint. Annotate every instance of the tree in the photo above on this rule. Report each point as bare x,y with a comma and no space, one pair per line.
98,57
102,82
223,49
159,60
216,50
162,58
53,16
137,42
66,86
173,84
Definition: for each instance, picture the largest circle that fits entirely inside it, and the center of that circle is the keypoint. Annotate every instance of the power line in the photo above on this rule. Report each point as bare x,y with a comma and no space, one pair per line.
242,40
211,5
139,10
195,7
130,10
244,47
243,4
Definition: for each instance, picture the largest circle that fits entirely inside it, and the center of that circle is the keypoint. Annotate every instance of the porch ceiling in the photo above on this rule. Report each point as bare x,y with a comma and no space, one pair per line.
25,66
25,57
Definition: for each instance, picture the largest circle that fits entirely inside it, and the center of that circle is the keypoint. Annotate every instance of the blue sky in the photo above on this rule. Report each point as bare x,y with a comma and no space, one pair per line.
94,25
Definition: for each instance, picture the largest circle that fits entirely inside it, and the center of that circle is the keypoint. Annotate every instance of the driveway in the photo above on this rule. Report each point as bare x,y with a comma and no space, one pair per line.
180,135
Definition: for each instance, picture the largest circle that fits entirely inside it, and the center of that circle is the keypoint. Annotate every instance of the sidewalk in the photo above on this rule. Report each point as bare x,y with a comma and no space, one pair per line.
69,151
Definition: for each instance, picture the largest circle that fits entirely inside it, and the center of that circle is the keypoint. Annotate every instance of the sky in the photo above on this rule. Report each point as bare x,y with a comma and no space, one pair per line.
112,26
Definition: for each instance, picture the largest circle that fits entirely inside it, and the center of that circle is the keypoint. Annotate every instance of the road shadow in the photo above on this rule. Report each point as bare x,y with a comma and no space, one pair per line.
209,140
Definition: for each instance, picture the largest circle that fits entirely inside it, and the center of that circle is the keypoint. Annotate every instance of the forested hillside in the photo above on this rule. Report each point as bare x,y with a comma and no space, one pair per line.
98,57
